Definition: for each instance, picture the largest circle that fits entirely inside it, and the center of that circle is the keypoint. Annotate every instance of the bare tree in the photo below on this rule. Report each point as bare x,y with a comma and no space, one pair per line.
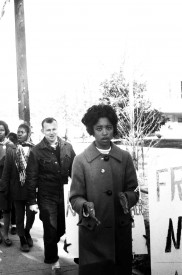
138,120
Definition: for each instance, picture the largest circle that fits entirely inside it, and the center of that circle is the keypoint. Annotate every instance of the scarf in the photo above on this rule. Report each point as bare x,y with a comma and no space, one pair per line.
21,160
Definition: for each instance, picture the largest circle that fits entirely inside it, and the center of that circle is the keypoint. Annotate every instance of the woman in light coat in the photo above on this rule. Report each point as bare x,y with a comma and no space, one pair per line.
103,189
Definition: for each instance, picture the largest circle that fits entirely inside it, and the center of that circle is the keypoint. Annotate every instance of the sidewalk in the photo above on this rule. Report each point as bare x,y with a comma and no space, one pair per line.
13,261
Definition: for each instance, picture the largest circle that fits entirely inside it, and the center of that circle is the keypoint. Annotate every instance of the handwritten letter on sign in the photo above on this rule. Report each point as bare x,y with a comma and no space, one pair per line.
165,212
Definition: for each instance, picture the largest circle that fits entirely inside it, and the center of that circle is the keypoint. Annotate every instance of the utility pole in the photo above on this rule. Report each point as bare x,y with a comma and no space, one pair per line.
132,122
22,79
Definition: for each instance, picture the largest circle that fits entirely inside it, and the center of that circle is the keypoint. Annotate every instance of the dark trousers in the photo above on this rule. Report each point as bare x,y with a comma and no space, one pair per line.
53,217
22,209
13,214
104,268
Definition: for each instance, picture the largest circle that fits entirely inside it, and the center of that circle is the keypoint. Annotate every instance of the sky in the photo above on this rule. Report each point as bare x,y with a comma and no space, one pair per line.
82,42
73,44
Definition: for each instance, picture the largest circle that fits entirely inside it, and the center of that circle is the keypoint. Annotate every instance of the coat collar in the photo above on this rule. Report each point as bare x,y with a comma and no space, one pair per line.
92,153
44,143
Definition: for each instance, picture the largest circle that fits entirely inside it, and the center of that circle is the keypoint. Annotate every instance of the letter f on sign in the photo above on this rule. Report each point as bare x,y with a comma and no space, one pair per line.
159,183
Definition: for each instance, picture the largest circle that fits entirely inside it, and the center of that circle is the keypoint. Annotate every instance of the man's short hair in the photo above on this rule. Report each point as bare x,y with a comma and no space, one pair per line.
48,120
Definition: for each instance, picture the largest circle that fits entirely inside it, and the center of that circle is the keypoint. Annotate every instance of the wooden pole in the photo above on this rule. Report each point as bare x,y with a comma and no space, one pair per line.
22,79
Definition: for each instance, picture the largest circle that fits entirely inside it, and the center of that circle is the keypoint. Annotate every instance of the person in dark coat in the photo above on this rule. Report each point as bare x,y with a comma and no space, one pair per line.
13,138
13,184
48,169
104,187
4,209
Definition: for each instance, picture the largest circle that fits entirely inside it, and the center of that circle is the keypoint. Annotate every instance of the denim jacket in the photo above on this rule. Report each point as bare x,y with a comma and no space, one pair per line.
47,174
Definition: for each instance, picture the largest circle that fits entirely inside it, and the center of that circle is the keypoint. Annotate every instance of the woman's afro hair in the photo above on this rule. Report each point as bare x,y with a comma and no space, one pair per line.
95,112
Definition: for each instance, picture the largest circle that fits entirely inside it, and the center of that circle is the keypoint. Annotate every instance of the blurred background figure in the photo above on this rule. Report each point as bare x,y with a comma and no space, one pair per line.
4,206
13,138
13,184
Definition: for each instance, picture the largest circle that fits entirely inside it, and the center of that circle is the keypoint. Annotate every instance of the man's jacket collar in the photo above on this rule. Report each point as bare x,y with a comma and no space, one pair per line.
92,153
45,144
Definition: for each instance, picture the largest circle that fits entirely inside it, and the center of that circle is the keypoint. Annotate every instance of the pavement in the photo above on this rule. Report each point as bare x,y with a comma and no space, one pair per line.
14,261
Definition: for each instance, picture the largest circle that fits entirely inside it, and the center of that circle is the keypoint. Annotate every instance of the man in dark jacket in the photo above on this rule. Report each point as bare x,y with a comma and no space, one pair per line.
48,169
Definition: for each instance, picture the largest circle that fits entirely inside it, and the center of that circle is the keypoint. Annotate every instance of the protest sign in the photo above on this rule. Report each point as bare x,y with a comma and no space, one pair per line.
71,225
139,245
165,212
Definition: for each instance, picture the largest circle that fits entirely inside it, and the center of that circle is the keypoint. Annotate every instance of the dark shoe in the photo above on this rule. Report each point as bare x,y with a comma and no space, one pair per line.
29,238
7,242
24,245
13,230
76,260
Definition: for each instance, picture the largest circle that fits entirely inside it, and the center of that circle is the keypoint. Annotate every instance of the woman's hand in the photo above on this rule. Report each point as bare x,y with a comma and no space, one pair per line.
124,202
88,208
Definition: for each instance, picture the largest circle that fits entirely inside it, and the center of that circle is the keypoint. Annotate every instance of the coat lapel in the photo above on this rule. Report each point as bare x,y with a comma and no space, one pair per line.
116,152
92,153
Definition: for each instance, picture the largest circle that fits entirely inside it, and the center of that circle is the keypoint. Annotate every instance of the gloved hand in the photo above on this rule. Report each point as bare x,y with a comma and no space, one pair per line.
34,208
88,208
124,202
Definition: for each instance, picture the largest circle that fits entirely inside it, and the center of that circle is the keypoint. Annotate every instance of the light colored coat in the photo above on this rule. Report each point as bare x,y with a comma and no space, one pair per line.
99,181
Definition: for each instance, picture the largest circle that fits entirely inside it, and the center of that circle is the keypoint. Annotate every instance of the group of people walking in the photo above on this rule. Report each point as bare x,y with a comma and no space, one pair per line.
12,186
103,189
32,178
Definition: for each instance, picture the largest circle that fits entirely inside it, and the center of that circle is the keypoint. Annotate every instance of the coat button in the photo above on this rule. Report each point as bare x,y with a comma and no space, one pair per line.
102,171
109,192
